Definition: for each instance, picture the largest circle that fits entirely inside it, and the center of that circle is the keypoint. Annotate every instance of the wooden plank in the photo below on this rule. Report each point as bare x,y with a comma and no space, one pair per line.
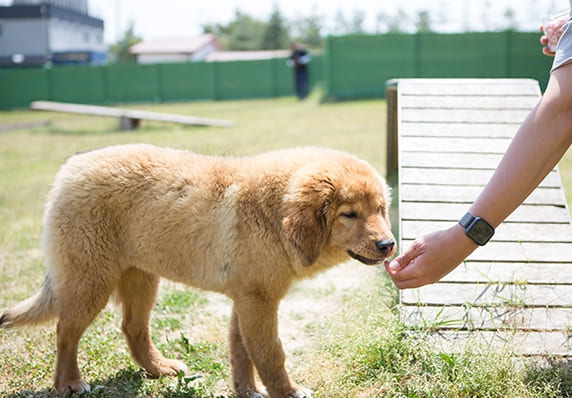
507,295
557,343
507,231
468,87
502,251
468,194
452,145
451,161
407,101
503,272
453,211
487,318
475,116
449,129
77,108
460,177
96,110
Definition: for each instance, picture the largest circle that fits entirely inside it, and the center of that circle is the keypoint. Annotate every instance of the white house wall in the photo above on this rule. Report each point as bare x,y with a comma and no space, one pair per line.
159,58
202,53
69,36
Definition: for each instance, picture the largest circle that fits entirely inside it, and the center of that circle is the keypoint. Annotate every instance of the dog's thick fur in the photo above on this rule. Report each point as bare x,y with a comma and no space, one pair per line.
119,218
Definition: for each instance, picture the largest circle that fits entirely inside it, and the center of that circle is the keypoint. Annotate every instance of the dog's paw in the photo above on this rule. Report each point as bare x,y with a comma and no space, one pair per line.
301,393
260,392
171,367
73,387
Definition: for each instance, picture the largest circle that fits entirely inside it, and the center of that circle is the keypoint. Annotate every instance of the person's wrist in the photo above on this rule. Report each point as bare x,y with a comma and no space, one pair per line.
461,237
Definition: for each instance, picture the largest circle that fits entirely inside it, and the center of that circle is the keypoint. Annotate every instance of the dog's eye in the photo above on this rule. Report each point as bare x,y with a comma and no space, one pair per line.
350,214
380,209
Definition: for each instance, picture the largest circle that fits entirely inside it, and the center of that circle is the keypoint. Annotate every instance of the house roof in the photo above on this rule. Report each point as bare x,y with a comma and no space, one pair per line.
246,55
174,45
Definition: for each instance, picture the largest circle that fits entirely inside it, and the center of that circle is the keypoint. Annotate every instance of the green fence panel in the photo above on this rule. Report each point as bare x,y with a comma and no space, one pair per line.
132,83
316,70
463,55
352,66
526,58
78,84
284,77
19,87
187,81
244,79
359,65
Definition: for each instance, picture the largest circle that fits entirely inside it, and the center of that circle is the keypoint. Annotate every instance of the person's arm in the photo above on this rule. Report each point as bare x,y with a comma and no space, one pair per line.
304,59
539,144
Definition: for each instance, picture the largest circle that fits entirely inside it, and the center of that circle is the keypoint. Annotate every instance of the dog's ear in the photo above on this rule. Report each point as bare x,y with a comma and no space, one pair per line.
305,223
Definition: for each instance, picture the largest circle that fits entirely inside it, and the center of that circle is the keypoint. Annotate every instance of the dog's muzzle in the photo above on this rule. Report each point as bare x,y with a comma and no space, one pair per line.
383,247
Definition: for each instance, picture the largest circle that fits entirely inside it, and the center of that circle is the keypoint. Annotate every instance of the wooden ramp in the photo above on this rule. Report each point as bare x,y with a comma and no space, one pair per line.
128,118
445,138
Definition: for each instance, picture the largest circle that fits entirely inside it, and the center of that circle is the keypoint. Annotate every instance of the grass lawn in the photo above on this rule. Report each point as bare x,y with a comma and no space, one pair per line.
361,352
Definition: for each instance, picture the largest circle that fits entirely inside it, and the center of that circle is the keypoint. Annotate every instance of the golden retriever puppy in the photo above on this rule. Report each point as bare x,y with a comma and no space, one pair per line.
119,218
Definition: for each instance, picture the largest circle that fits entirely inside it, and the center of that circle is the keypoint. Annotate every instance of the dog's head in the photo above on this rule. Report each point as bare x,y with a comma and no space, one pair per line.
338,208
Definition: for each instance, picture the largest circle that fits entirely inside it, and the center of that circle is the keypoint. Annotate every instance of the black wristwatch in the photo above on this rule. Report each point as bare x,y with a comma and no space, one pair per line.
477,229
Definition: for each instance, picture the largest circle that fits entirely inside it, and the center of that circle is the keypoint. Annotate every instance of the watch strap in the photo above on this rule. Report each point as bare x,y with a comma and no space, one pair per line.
466,220
473,227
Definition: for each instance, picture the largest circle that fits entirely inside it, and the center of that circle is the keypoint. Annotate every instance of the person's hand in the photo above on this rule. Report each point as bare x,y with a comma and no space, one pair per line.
544,40
430,258
552,33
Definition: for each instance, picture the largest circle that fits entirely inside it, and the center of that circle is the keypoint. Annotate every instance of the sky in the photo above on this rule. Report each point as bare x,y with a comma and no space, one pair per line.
184,18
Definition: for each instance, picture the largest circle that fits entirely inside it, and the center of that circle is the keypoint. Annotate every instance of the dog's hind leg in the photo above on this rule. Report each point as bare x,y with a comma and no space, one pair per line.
137,291
77,306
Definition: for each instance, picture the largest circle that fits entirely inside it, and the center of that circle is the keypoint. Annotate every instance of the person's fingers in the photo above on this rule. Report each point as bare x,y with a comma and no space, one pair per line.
408,283
401,261
396,264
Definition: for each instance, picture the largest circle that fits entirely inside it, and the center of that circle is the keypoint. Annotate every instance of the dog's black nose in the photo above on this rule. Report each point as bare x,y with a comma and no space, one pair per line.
385,246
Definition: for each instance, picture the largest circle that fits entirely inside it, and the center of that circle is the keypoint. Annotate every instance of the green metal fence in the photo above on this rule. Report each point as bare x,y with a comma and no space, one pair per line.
352,66
120,83
358,66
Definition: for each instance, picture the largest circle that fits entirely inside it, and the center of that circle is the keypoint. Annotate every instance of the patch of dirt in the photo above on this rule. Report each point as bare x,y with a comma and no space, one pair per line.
312,301
309,303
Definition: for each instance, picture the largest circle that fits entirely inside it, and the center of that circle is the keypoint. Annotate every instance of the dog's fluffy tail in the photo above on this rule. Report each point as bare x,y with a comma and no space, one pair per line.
37,309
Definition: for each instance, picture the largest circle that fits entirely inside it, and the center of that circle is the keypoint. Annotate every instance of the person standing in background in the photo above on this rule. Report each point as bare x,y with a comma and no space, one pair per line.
299,60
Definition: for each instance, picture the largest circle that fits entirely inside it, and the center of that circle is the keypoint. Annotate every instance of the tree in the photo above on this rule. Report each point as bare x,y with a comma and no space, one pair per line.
276,32
119,51
356,25
423,23
510,17
308,30
244,33
393,23
341,26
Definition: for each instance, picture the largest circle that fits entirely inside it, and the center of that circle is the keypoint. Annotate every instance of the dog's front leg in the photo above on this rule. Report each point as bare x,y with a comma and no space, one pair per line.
242,367
257,320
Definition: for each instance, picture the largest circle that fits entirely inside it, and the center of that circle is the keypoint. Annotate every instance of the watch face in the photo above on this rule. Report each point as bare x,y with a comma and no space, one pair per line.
480,231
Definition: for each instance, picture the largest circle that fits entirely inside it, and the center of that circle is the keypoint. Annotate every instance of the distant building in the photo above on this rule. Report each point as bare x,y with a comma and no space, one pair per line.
40,32
224,56
175,49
